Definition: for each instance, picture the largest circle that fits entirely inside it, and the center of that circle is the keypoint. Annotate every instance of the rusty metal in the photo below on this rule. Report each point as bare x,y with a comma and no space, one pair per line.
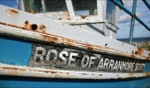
68,31
26,71
50,31
42,28
83,17
140,51
40,31
34,27
12,12
49,38
12,25
63,57
27,26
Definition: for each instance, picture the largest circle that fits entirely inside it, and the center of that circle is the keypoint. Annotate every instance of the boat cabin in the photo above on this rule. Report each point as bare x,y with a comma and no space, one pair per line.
69,43
97,16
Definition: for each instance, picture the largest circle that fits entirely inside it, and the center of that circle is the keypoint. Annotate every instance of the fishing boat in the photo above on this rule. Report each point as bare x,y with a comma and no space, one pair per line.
69,43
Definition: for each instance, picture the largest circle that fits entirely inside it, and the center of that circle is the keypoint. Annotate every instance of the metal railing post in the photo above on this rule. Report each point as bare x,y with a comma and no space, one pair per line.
132,21
43,5
132,14
146,3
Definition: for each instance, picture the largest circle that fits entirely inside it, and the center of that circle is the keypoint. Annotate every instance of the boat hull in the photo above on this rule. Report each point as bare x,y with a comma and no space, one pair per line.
17,53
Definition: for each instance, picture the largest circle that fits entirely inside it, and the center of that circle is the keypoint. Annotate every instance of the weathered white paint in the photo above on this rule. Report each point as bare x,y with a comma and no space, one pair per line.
37,36
26,71
65,30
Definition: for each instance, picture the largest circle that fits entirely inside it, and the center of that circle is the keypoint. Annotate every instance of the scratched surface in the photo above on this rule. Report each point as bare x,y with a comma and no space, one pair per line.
46,30
17,82
20,54
68,58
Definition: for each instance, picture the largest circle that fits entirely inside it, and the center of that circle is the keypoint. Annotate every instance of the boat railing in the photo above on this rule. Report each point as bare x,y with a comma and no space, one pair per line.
133,16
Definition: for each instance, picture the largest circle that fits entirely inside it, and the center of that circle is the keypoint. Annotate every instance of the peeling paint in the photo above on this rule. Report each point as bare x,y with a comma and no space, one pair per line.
69,58
140,51
12,12
25,71
50,38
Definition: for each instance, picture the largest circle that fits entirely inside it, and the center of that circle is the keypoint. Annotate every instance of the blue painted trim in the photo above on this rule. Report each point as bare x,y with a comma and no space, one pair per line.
132,21
27,82
135,39
146,3
15,52
130,13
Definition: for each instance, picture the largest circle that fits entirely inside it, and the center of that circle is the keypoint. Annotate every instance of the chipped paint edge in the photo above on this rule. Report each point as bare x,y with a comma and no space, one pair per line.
26,71
49,38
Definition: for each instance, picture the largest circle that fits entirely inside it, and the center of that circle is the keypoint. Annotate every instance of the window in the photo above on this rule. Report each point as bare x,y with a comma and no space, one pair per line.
55,5
39,6
110,12
85,7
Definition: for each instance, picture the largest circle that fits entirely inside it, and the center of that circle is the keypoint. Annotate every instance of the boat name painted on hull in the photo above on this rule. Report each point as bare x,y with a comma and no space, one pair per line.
59,57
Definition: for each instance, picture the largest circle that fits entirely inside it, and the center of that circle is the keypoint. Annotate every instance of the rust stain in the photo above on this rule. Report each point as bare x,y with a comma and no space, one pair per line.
133,56
29,26
53,72
49,71
67,16
136,52
140,51
26,25
131,75
24,70
14,11
50,39
147,74
26,22
11,25
68,42
83,17
13,68
44,71
74,43
42,28
34,27
21,71
89,47
147,58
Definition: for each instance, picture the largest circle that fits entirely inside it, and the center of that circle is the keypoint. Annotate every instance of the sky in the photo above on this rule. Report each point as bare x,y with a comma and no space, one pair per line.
124,20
